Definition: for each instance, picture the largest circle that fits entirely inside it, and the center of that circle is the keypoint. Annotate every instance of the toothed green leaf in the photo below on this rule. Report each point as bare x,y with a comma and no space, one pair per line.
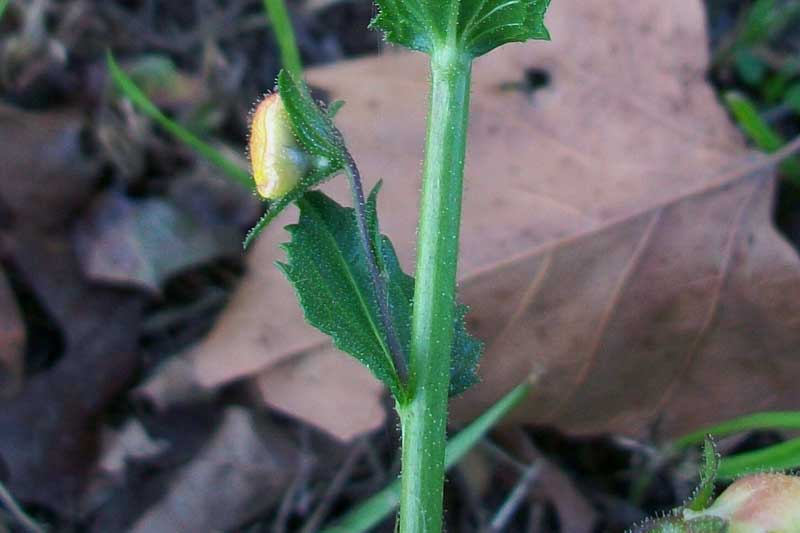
476,26
328,269
327,266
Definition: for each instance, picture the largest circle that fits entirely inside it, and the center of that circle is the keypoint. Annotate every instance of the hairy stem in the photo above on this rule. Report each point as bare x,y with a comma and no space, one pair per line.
424,418
378,282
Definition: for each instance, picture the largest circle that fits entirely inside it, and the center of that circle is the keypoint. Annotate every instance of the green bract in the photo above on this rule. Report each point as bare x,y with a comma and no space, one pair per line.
320,139
312,126
474,26
708,475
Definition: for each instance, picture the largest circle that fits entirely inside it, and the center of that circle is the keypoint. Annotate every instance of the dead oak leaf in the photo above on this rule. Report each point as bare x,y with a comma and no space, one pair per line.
612,248
48,432
243,470
46,175
142,243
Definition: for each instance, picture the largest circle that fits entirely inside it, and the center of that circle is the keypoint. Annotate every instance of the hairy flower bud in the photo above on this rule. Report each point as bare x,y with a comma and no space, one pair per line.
278,162
761,503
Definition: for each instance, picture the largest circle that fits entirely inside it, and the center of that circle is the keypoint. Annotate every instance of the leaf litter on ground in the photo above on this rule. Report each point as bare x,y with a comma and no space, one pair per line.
615,268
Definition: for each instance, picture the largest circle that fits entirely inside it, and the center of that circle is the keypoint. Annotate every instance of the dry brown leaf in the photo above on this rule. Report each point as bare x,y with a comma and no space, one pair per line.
131,442
118,450
287,385
612,248
48,431
12,341
45,175
241,472
142,243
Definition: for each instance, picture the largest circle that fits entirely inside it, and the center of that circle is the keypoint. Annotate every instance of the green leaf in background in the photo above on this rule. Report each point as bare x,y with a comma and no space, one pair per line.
145,105
765,420
312,126
749,67
708,476
774,88
327,266
476,26
766,19
3,6
764,136
466,349
782,456
792,98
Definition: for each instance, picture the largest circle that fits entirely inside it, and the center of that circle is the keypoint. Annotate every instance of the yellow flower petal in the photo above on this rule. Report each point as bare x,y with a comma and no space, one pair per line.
278,162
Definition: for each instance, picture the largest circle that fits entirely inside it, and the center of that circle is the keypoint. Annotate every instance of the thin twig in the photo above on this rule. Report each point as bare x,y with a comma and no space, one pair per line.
775,158
535,517
378,282
503,455
285,509
335,488
17,513
509,507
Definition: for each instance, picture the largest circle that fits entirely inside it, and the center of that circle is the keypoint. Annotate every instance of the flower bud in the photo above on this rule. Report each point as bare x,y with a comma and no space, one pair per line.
278,162
761,503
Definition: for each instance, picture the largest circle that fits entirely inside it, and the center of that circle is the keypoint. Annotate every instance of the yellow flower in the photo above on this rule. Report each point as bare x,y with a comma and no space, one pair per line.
278,162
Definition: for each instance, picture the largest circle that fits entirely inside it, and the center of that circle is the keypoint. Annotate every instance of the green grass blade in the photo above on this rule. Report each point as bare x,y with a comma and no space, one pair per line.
3,6
143,103
783,456
375,509
766,420
764,136
278,16
751,122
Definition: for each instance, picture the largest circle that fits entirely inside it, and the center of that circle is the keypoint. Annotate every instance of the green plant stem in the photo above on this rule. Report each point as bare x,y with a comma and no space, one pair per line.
284,33
424,418
373,511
